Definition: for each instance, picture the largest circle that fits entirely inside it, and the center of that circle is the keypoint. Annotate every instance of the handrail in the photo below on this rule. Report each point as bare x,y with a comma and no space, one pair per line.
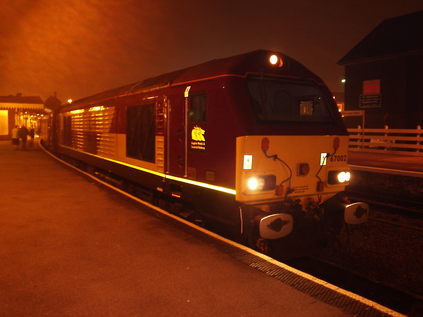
396,141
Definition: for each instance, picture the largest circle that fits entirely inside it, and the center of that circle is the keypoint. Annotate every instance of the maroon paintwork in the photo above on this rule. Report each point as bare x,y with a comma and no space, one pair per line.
229,113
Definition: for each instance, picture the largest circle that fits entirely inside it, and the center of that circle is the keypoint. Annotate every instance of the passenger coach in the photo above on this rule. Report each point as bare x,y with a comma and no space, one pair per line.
252,143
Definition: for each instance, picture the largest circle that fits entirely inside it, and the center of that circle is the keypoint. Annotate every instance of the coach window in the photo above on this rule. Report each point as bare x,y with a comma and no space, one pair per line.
198,108
140,132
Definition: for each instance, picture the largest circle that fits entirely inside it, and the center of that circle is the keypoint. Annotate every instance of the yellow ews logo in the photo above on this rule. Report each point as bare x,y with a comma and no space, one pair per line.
198,142
197,134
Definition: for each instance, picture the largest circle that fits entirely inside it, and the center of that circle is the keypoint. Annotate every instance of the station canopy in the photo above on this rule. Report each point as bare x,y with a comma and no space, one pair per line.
21,103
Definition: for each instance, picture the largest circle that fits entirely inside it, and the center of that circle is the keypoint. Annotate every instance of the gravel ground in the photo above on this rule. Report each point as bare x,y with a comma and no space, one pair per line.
383,252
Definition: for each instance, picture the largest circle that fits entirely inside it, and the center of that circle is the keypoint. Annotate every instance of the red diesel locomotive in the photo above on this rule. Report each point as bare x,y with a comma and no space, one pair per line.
252,143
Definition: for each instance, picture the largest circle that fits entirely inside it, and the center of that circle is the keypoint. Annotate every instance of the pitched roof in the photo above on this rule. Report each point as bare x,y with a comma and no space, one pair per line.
21,102
21,99
391,37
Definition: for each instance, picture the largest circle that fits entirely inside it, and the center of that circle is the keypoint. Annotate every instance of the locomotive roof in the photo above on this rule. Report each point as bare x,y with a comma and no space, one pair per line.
252,62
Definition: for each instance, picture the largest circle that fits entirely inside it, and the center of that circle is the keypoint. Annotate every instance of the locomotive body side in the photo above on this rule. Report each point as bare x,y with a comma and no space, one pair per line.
255,147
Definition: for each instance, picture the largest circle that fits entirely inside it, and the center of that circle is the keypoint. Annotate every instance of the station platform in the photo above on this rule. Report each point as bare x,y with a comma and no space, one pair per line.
73,247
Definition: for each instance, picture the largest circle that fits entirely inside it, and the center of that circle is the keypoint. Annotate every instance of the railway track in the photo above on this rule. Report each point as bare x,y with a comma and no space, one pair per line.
409,207
382,259
343,267
396,223
407,214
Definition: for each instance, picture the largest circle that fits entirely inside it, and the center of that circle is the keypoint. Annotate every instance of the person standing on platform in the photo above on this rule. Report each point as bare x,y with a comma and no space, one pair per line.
15,137
31,135
23,134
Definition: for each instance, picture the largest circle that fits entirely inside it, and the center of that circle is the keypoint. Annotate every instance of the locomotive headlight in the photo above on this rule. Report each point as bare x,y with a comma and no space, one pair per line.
343,177
262,182
275,60
338,177
255,183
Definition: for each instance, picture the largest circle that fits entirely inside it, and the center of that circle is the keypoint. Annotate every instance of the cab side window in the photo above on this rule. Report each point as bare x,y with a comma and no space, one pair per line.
198,108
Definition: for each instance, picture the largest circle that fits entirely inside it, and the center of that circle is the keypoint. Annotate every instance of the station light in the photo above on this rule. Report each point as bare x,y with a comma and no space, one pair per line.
70,101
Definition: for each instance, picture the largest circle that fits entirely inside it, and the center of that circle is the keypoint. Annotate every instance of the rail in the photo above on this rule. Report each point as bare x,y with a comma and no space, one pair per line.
386,140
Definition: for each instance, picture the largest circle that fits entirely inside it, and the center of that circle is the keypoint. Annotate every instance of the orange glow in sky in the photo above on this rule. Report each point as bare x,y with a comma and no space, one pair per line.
79,48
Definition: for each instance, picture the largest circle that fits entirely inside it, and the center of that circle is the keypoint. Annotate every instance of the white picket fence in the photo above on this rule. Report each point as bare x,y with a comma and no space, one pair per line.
397,141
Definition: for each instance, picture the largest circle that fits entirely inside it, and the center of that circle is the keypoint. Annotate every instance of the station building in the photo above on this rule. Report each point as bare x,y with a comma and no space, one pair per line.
384,75
19,110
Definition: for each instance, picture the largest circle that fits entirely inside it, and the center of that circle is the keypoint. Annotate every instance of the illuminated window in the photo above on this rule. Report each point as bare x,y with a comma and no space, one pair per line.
198,108
306,108
140,132
4,122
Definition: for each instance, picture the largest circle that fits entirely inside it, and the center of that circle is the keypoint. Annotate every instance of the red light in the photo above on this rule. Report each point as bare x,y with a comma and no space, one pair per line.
303,169
279,190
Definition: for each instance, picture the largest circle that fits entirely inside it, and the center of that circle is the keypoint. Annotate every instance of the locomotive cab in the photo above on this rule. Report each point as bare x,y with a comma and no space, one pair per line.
293,167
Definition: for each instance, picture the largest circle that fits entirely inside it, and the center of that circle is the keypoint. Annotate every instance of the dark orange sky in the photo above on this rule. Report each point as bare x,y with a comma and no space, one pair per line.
80,47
